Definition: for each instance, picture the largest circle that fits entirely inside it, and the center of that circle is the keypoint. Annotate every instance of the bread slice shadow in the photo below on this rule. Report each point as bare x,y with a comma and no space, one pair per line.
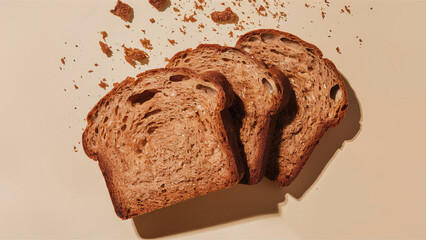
332,141
224,206
247,201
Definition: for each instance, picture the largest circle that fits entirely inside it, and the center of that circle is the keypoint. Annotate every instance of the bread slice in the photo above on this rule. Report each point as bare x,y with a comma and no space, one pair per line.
319,101
260,95
161,139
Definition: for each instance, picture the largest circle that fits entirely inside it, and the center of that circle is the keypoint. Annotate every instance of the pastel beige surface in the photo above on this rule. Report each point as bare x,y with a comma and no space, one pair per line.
364,180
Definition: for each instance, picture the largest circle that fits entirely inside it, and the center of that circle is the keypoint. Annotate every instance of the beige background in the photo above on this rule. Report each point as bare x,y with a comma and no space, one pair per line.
366,179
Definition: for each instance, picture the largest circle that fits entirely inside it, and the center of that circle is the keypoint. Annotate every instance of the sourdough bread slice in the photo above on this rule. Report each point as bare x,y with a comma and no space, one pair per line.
319,101
261,93
161,139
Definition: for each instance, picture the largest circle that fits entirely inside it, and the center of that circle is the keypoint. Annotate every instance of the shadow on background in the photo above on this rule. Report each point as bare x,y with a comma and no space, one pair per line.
244,201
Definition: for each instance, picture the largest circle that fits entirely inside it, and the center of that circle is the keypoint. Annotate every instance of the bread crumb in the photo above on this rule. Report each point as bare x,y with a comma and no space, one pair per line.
183,30
146,43
261,11
127,26
115,84
224,16
307,5
158,4
96,64
103,84
198,6
133,54
104,34
105,49
171,41
76,45
347,9
63,60
166,59
201,25
75,149
75,86
176,9
90,71
338,50
144,31
152,20
231,34
190,18
327,2
123,10
371,8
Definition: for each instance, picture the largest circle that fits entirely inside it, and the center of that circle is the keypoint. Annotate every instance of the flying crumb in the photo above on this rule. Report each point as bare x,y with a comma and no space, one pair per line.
75,86
146,43
75,149
338,50
127,26
152,20
189,19
171,41
63,60
124,11
166,59
158,4
323,14
198,6
176,9
224,16
90,71
96,64
347,9
76,45
133,54
231,34
104,34
103,84
105,49
261,11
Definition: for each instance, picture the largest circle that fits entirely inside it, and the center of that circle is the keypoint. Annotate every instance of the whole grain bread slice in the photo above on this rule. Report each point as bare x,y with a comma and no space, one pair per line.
163,138
319,99
261,93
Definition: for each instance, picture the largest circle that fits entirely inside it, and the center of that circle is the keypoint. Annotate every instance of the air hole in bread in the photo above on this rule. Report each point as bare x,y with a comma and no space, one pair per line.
106,104
138,151
96,130
335,92
247,49
184,55
141,98
152,113
253,39
274,51
310,68
267,37
343,107
116,110
310,50
267,85
144,142
286,40
178,78
151,130
96,114
105,119
206,89
226,59
187,60
125,119
162,185
243,62
123,128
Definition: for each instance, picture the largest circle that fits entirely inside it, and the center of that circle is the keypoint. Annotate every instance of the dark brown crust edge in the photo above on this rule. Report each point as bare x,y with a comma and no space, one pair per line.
213,77
338,118
265,135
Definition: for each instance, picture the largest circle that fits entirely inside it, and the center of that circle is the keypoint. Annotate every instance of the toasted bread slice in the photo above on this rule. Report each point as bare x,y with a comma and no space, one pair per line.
261,93
162,138
319,101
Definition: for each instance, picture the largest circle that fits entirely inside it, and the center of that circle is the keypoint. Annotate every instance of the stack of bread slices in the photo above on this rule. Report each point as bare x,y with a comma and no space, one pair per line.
214,117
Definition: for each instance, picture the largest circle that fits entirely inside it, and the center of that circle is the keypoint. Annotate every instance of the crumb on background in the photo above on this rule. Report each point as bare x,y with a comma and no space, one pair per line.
124,11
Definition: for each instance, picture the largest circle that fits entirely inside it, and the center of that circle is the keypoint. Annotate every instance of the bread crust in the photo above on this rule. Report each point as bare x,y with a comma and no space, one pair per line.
121,207
280,178
253,173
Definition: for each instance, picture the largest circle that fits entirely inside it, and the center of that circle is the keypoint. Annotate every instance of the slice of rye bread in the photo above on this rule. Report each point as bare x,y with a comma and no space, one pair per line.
261,93
319,101
163,138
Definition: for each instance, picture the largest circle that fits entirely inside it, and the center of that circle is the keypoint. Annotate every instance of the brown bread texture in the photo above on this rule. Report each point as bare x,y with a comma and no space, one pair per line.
162,138
260,95
319,98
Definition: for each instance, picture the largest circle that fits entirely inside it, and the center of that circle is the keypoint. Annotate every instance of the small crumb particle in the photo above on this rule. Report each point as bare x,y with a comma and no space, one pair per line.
198,6
103,84
104,34
172,41
176,9
124,11
347,9
144,31
323,14
166,59
224,16
261,11
127,26
90,71
152,20
76,45
96,64
158,4
191,18
105,49
231,34
133,54
75,149
371,8
63,60
146,43
307,5
338,50
75,86
65,90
